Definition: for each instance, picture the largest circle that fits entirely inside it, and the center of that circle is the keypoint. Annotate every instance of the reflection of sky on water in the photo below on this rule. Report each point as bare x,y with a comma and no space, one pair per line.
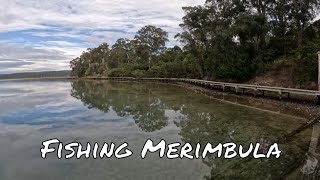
31,93
59,114
39,103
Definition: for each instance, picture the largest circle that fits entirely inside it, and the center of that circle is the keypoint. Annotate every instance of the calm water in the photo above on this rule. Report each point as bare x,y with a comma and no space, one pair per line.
102,111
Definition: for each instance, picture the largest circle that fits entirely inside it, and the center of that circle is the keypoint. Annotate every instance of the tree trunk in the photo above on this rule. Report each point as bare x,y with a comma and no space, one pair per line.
298,23
300,37
262,35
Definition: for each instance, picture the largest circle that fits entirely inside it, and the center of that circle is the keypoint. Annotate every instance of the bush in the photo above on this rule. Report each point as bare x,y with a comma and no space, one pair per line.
307,60
191,67
156,70
236,67
127,70
138,73
119,72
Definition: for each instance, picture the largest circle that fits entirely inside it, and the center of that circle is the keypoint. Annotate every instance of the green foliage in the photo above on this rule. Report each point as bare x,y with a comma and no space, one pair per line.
125,70
119,72
138,73
235,66
227,40
191,67
186,68
307,61
154,38
236,39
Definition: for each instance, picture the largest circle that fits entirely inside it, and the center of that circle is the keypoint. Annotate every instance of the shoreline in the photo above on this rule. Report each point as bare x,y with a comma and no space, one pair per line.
304,108
36,78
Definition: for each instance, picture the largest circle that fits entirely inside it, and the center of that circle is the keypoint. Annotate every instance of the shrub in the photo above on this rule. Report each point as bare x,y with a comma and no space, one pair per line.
119,72
307,60
138,73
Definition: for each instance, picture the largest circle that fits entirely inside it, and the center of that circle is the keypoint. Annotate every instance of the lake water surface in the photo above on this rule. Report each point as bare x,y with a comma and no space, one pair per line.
102,111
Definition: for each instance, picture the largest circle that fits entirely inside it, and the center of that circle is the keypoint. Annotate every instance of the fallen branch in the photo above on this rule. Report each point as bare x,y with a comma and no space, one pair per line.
311,122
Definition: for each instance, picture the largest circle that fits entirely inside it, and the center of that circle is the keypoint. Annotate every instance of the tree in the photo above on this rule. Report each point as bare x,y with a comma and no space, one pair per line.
196,33
152,41
302,13
123,49
77,69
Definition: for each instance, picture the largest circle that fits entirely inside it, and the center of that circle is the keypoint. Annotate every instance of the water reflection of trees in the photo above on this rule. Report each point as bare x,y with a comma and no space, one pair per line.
147,103
125,99
211,127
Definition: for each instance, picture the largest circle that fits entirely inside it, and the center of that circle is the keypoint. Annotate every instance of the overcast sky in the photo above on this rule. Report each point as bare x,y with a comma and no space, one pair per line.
41,35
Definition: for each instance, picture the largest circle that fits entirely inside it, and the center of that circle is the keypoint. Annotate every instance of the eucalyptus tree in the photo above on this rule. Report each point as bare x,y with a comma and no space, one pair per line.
210,36
97,58
195,34
77,67
302,13
150,41
122,51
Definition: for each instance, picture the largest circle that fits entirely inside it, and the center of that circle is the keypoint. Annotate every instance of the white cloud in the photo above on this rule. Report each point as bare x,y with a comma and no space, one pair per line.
61,43
32,66
29,53
99,14
22,59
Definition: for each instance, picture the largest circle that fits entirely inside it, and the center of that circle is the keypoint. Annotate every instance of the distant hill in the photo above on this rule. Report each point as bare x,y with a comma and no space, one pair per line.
65,73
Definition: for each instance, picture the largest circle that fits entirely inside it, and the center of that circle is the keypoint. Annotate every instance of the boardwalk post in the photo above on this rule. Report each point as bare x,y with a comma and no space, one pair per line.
318,100
255,92
314,139
280,94
318,70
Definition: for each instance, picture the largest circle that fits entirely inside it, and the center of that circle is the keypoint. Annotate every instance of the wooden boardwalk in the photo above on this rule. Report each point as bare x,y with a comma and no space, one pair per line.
234,87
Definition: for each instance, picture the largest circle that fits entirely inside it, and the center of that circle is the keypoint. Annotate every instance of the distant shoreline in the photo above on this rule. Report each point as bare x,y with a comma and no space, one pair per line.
35,78
43,74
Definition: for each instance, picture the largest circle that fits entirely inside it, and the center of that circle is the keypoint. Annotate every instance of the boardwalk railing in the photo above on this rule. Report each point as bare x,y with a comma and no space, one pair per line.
226,86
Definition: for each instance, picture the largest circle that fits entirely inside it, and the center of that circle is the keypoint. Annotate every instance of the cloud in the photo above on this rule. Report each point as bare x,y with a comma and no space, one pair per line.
8,63
127,15
59,30
29,53
25,59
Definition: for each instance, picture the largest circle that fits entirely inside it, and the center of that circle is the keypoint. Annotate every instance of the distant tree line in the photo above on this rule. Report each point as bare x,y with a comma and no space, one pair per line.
230,40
